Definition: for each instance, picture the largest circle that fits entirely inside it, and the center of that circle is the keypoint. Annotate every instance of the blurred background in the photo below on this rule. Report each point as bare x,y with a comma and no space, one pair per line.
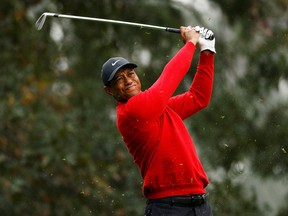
60,151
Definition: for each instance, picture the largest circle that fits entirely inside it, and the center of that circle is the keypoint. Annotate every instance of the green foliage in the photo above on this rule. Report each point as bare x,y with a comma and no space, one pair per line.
226,202
60,151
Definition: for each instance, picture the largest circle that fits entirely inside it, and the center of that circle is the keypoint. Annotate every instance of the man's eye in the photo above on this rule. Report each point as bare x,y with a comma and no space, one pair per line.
118,79
131,73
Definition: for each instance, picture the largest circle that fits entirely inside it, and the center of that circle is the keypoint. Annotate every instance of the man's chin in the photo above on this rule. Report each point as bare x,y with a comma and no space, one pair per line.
132,94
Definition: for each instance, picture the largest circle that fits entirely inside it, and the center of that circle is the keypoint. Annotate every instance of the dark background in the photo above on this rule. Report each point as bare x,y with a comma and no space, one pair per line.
60,151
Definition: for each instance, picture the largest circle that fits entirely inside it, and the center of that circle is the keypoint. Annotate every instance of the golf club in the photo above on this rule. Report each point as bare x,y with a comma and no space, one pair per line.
40,22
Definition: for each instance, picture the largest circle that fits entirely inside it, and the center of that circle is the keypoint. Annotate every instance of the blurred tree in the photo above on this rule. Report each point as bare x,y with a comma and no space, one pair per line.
60,152
247,118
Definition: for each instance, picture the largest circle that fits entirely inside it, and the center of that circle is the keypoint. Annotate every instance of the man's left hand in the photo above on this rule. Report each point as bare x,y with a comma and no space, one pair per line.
206,40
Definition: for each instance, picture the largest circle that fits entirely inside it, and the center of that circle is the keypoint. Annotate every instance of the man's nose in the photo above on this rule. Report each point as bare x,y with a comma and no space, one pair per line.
128,80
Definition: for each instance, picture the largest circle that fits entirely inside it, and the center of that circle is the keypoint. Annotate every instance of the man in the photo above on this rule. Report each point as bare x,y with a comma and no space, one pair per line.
151,123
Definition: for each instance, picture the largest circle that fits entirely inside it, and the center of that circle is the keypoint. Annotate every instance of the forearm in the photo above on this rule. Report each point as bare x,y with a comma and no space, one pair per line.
175,71
202,85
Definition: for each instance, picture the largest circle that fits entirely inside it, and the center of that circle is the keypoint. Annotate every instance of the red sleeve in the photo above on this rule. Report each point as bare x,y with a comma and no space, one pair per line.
200,91
151,103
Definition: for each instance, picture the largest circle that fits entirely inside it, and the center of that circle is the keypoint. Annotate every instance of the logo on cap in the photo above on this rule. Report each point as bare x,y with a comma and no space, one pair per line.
114,63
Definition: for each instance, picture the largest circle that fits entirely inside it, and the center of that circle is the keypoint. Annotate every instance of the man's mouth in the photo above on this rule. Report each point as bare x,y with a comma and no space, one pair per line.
130,88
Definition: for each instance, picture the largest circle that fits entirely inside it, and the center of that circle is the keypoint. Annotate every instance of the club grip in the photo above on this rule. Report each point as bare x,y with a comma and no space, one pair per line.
173,30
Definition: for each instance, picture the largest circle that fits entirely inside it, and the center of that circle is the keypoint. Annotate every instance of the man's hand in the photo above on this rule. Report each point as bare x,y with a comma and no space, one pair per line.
206,40
189,34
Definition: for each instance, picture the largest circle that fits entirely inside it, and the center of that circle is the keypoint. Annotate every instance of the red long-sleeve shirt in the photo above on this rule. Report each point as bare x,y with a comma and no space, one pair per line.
152,127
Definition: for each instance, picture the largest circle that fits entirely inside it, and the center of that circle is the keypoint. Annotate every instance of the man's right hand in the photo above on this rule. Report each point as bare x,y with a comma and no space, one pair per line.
189,34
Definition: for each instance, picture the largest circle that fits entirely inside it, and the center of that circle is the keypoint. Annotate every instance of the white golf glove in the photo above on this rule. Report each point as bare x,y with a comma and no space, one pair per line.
206,40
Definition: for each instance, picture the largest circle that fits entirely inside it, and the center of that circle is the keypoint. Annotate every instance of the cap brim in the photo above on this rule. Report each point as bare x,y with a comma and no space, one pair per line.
115,71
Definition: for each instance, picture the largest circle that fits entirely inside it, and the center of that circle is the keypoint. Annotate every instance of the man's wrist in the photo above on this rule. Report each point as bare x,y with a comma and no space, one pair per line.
207,52
194,42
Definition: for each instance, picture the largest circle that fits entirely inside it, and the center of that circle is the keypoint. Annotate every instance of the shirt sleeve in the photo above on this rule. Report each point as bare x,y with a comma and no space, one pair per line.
200,91
151,103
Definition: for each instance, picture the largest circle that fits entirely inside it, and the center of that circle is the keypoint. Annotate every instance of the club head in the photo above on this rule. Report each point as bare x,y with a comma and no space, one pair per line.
40,22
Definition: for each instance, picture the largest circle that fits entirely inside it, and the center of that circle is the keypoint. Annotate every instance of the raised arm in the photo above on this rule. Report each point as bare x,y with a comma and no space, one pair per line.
199,94
200,91
152,102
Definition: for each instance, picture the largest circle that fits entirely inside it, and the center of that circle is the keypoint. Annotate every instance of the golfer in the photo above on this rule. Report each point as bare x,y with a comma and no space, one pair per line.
151,123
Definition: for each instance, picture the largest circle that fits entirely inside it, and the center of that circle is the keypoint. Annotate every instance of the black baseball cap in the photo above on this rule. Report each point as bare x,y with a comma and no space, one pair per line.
111,66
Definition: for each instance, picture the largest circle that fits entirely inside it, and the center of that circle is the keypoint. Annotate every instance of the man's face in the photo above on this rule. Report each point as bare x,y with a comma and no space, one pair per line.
124,85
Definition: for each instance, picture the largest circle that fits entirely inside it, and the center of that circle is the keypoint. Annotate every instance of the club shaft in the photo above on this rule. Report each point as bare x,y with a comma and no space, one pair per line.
141,25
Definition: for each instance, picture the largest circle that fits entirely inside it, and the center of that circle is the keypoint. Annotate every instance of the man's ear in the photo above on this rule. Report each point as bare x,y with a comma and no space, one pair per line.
108,90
